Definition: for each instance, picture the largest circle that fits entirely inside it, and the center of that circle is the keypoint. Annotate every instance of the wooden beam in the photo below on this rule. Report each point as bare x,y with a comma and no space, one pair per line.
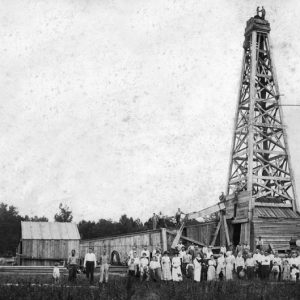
272,178
185,238
226,230
216,233
269,152
178,236
239,221
273,205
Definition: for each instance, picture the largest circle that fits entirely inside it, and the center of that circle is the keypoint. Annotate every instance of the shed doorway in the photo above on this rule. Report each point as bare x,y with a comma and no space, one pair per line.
236,234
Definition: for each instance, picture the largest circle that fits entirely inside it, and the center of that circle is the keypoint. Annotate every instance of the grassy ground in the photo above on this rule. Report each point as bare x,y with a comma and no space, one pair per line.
122,288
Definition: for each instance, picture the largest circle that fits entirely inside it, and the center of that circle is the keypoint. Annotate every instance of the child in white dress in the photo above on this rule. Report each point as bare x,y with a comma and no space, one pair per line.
211,272
56,273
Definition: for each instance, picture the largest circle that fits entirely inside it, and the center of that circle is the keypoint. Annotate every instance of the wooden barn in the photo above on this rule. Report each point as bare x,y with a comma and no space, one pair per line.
119,246
44,243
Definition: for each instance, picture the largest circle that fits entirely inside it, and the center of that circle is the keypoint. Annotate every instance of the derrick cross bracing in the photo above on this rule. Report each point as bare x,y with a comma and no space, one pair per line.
260,160
219,207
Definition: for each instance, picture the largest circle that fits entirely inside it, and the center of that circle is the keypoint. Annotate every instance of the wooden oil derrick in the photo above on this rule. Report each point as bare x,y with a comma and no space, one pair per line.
260,185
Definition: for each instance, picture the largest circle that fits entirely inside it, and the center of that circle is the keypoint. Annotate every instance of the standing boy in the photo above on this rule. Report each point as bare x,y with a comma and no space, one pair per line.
104,267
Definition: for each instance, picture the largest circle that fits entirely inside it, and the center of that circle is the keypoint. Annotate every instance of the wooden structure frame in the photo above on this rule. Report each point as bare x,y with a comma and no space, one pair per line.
260,174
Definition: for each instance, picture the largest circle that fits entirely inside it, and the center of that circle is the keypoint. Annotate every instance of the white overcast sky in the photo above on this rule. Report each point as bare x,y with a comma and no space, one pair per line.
117,107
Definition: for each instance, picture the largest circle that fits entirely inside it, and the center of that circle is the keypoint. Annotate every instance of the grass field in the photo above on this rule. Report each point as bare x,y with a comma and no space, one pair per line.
122,288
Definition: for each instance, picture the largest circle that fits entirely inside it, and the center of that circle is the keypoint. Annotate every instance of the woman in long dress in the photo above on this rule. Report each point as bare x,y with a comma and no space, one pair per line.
197,267
166,267
211,272
229,261
176,268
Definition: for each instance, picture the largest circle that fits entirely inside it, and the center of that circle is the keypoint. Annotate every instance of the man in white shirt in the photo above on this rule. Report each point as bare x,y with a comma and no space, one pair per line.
133,264
265,266
186,259
258,258
250,266
239,263
90,263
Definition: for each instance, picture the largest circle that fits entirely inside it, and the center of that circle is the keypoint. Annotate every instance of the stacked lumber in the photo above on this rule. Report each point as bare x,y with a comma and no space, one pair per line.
48,270
30,270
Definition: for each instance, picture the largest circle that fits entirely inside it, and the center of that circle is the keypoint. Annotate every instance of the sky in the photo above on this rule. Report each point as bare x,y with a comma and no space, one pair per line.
127,107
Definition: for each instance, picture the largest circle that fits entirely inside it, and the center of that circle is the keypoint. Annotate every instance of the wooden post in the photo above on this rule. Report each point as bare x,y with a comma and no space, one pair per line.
216,233
178,235
164,239
226,230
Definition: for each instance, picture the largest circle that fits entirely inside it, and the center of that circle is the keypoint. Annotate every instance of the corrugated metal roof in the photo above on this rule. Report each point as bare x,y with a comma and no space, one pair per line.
275,212
49,231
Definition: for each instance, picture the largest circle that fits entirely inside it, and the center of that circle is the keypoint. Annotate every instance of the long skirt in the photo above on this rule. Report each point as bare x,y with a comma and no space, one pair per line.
228,271
211,273
197,273
176,274
166,273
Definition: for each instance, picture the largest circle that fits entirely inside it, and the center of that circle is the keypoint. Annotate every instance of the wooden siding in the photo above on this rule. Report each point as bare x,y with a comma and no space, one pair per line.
202,232
123,244
45,252
242,207
277,232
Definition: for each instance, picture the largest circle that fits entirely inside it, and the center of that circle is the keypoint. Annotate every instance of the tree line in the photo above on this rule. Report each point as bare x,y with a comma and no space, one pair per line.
10,226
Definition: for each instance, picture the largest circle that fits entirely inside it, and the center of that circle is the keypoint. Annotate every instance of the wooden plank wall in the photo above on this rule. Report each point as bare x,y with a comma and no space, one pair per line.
203,232
40,250
276,231
123,244
242,205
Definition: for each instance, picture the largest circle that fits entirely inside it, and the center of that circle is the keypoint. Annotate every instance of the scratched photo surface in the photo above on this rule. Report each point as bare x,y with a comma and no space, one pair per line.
127,107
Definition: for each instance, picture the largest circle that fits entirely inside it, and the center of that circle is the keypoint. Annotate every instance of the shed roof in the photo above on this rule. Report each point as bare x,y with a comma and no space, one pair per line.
275,212
49,231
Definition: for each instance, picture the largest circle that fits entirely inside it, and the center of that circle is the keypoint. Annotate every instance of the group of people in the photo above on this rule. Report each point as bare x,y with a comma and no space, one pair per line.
159,220
89,264
201,264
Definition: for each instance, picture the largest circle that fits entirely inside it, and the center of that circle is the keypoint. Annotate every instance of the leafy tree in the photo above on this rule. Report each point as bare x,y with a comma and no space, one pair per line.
64,215
10,229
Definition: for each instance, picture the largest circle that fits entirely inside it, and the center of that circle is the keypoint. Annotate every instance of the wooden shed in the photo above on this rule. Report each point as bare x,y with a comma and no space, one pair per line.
119,246
44,243
276,223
